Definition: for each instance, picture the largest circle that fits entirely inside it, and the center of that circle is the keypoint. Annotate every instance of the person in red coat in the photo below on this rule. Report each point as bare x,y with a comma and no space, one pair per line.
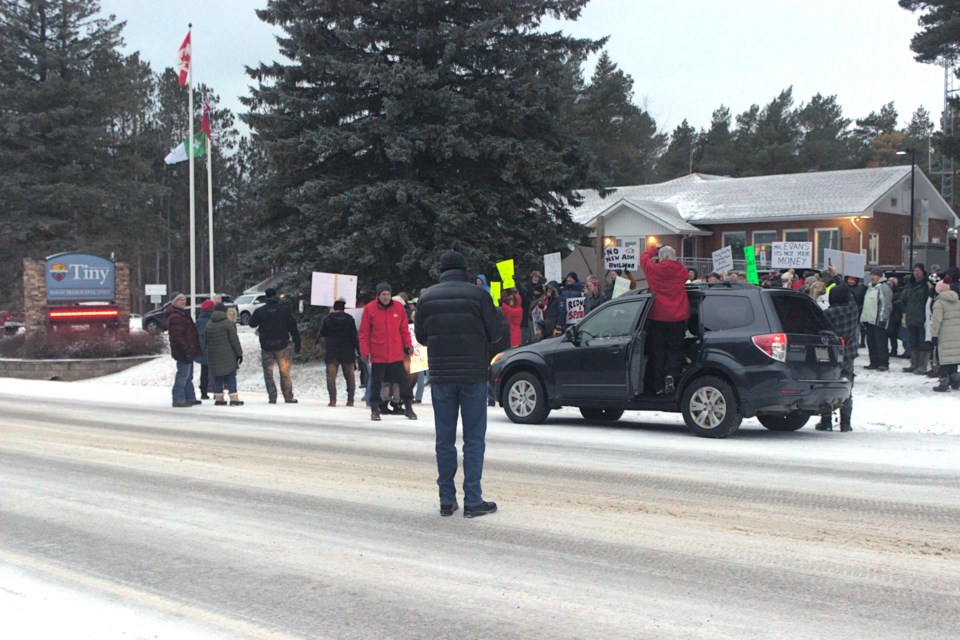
384,340
668,318
512,306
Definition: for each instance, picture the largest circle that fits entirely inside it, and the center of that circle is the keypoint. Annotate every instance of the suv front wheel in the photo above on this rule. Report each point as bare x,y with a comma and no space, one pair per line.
711,408
524,399
245,318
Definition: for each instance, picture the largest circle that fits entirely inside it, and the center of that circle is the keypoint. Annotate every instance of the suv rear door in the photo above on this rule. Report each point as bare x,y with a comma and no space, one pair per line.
594,364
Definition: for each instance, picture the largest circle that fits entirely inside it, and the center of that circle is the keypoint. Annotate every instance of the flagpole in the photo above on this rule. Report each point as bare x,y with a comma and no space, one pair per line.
210,202
193,236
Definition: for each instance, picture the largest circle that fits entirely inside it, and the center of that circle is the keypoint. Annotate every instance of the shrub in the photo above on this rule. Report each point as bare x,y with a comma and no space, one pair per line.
89,342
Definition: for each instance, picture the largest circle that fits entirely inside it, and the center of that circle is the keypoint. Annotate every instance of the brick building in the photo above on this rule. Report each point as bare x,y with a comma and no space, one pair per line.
860,210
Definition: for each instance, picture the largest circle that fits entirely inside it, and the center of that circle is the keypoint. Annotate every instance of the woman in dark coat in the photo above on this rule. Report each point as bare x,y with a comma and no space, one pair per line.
224,355
341,344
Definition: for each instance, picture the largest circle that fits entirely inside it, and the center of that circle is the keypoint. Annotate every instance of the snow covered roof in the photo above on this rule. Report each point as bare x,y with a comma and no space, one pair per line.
663,212
706,199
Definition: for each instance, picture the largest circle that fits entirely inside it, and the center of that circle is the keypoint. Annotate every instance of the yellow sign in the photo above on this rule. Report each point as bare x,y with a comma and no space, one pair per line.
506,274
495,292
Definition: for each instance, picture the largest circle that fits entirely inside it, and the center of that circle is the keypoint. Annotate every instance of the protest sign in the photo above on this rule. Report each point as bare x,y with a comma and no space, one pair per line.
620,258
418,359
620,286
847,264
551,267
505,268
575,310
723,260
495,292
751,260
791,255
325,288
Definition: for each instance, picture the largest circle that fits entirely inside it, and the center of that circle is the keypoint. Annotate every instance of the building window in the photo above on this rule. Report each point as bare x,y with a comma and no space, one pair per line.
873,248
827,239
796,235
736,240
763,246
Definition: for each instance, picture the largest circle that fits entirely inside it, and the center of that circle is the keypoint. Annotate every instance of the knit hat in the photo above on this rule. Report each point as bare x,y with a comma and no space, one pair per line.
593,280
573,274
943,285
452,260
383,286
207,305
175,295
339,304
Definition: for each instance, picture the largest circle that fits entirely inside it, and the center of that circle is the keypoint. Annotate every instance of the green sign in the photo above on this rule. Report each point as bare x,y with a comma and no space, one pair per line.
751,259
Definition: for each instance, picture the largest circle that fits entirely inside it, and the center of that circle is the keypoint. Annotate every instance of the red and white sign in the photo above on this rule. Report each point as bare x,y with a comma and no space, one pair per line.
575,310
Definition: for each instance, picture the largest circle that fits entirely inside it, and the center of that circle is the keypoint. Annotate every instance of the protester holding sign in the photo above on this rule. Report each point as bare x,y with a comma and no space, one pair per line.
513,312
668,317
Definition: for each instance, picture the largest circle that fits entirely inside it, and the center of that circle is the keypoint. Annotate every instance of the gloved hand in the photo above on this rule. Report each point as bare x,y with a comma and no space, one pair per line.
408,351
239,360
296,348
365,359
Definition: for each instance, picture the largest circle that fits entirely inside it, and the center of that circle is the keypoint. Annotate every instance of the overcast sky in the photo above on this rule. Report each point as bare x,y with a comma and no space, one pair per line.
686,57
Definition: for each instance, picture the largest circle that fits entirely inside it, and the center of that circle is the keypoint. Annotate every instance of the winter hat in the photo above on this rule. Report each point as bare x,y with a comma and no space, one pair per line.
667,253
383,286
218,306
452,260
175,295
593,280
572,274
943,285
838,296
207,305
270,293
339,304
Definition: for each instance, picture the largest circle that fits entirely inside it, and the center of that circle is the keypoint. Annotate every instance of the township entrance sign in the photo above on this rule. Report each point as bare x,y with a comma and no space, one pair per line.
80,277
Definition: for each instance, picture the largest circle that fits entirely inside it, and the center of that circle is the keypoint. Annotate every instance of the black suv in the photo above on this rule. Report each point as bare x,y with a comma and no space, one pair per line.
748,351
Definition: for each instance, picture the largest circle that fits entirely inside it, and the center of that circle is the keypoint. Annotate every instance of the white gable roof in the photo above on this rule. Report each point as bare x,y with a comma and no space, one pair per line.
703,199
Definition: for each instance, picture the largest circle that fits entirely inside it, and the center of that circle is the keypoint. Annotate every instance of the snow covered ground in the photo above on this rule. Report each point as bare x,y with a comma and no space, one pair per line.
893,401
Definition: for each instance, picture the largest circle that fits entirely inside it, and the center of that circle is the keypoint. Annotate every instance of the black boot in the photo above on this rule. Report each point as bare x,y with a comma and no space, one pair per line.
943,386
375,412
408,410
826,422
955,381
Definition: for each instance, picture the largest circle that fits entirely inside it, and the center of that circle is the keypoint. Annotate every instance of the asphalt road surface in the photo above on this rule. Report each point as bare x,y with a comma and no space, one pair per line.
310,523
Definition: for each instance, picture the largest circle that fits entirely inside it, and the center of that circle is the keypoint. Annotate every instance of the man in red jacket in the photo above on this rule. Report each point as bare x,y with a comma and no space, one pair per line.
668,318
384,339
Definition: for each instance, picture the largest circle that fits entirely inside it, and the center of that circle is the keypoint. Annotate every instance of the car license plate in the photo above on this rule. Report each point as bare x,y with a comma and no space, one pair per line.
823,354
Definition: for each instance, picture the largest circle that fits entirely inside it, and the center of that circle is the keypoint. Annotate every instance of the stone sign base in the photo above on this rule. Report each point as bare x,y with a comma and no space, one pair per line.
67,370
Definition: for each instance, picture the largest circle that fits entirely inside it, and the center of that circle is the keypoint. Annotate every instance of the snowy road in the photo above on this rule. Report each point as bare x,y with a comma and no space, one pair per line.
125,520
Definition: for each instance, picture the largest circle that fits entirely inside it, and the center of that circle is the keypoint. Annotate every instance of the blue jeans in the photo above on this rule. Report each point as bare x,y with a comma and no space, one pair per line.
229,381
470,401
421,380
183,390
282,360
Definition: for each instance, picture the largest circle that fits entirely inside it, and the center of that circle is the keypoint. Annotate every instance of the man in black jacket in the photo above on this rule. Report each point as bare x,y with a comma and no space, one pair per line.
276,328
457,323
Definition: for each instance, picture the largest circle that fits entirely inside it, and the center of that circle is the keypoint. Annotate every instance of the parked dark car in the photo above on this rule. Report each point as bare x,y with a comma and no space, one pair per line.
155,320
769,353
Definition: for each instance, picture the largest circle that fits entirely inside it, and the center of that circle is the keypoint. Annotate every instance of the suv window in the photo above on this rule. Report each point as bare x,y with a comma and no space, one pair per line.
799,314
726,312
247,298
611,320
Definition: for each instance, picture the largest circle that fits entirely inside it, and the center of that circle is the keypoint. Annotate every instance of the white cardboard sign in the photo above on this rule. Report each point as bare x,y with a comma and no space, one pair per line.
847,264
620,286
418,359
551,267
325,288
791,255
723,260
622,258
575,310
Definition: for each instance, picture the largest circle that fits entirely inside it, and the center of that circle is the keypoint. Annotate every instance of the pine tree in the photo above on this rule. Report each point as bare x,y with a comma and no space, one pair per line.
66,135
716,149
401,129
678,160
824,134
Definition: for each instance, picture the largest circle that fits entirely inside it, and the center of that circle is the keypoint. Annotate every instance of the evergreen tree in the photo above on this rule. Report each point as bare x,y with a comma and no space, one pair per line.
678,160
823,144
718,155
622,137
401,129
868,130
66,133
777,137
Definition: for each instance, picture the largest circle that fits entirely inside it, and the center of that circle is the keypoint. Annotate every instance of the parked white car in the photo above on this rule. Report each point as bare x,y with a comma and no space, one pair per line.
247,304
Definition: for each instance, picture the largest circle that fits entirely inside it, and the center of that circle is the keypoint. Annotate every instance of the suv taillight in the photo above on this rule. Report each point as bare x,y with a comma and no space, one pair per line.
773,344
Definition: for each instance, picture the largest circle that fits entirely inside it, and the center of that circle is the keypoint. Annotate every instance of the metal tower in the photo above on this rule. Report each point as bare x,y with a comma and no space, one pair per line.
947,127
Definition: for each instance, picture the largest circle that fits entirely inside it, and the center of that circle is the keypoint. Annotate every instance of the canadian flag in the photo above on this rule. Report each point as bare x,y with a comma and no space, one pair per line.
205,121
183,60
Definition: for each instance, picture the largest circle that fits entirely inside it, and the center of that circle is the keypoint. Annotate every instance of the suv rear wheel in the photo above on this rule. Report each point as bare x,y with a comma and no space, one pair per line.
711,408
524,399
153,326
245,318
784,422
601,414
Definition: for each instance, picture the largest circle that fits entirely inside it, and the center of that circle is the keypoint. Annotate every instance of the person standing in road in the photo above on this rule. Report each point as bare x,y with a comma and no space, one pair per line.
913,299
184,347
877,304
206,310
224,355
457,322
340,342
384,341
668,317
276,328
